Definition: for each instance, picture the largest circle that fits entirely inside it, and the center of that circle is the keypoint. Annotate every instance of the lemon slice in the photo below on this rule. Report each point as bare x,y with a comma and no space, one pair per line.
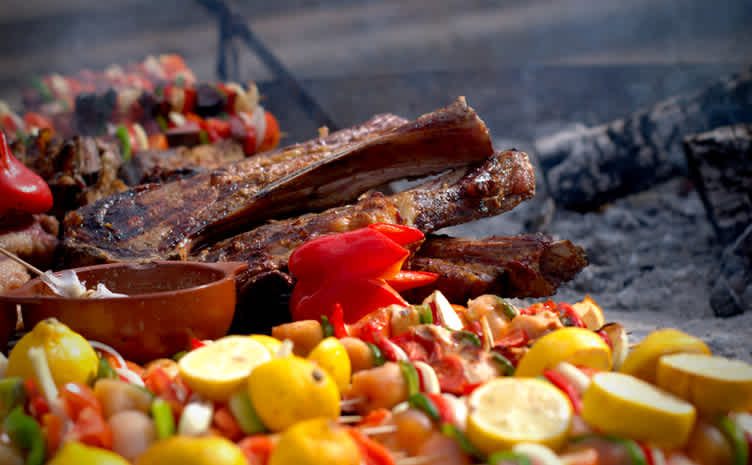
508,411
623,405
577,346
217,370
712,384
643,359
272,344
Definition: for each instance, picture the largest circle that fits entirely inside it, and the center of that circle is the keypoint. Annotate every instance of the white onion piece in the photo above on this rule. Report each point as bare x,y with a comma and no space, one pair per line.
101,346
195,419
259,122
130,376
428,378
447,316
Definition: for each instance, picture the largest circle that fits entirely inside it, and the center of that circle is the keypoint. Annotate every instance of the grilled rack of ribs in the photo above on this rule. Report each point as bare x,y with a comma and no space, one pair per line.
171,221
527,265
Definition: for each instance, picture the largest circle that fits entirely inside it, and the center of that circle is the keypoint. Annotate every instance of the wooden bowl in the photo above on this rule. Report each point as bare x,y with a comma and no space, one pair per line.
168,302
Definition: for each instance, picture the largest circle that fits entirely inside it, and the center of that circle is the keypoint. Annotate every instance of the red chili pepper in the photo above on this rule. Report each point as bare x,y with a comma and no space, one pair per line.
567,310
337,320
20,188
371,452
406,279
558,380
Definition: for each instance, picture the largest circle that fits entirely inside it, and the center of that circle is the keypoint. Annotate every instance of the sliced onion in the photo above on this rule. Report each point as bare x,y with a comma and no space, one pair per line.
101,346
447,316
428,379
195,419
259,122
130,376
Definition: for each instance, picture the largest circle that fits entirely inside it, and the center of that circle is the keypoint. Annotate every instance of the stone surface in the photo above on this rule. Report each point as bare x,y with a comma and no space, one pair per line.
588,167
720,163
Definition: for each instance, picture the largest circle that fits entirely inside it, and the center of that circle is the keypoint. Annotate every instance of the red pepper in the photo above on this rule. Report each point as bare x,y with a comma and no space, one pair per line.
401,234
605,338
516,338
647,451
405,280
271,135
371,452
337,320
196,343
375,322
558,380
351,269
20,188
566,310
445,408
362,253
226,423
91,429
77,397
37,404
257,448
357,298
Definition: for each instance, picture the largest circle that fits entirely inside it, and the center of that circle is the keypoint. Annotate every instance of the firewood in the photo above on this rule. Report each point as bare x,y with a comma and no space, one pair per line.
588,167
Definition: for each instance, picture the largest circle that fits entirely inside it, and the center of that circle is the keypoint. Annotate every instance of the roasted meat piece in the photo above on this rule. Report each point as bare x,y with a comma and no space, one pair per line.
171,221
32,238
527,265
464,194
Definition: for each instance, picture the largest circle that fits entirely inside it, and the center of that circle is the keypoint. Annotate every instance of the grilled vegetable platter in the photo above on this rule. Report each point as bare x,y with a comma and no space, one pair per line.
398,345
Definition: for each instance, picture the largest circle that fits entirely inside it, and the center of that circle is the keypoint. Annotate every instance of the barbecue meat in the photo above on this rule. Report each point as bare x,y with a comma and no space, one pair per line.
12,275
464,194
528,265
31,237
171,220
162,166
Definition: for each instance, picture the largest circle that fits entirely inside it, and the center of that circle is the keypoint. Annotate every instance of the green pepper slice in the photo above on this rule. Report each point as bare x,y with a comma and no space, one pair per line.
105,370
507,309
509,456
326,327
12,393
425,314
507,369
244,413
470,337
736,438
423,403
378,357
125,141
410,374
25,432
164,421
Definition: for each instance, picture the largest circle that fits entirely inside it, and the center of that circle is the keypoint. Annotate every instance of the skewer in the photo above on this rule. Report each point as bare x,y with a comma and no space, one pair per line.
382,429
16,259
350,418
417,460
344,403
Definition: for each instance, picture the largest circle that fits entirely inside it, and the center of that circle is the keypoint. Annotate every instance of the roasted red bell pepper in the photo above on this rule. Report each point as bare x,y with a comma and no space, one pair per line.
352,269
337,320
371,452
20,188
406,279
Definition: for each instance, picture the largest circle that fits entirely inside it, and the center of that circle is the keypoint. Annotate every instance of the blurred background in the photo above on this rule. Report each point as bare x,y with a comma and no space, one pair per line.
528,67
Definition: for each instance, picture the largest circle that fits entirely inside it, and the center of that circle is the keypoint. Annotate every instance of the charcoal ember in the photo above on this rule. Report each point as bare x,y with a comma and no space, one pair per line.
587,167
732,292
720,163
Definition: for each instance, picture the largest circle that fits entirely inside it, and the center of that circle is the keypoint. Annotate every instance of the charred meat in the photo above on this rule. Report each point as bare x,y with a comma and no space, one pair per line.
528,265
171,221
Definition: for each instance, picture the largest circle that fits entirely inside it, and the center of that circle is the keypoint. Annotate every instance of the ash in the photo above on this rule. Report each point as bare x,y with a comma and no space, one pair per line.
654,258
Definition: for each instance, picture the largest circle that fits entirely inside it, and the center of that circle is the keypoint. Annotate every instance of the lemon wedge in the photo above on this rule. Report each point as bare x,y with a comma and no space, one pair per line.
713,384
217,370
508,411
590,313
643,359
623,405
577,346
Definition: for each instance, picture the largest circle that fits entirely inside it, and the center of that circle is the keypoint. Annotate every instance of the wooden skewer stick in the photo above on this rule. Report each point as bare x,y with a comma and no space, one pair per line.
417,460
382,429
16,259
350,418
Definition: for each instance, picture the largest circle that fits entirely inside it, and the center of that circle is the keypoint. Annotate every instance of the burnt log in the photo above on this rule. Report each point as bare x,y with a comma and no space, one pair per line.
586,168
732,292
720,164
